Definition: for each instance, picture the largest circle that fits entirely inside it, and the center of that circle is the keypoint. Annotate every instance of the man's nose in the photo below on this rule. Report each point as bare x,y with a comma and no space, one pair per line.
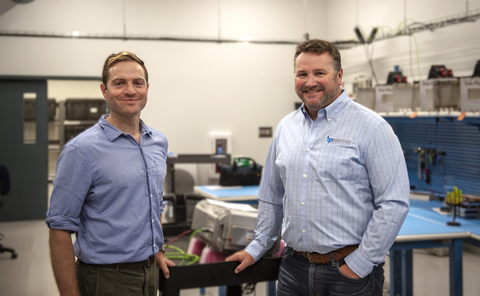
130,90
310,81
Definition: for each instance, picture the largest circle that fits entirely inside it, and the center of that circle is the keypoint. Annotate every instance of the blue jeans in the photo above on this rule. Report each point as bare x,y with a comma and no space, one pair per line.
300,277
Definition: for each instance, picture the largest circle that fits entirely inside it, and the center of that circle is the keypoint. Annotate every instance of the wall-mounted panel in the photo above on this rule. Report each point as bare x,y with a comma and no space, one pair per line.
459,140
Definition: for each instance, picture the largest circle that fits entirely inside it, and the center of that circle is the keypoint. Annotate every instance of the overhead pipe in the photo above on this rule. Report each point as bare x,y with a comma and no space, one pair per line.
76,35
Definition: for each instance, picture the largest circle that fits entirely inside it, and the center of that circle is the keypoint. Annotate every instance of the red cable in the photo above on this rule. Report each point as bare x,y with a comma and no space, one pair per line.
182,234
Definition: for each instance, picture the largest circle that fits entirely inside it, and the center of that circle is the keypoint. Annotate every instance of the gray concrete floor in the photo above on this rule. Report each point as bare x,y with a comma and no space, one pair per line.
31,273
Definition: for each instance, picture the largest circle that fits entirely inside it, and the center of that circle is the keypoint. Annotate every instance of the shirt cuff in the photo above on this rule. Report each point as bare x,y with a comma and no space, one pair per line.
256,250
358,264
62,223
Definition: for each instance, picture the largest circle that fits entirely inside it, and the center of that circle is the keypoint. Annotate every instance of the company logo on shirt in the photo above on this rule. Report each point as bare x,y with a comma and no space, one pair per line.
340,142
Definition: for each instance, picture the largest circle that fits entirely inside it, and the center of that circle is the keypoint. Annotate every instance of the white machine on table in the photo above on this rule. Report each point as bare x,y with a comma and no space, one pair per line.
228,226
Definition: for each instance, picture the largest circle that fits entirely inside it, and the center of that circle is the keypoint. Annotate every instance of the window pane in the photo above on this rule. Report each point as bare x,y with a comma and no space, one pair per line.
29,118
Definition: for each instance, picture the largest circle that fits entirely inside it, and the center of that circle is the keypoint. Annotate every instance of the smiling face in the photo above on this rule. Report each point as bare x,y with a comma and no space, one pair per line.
317,83
126,90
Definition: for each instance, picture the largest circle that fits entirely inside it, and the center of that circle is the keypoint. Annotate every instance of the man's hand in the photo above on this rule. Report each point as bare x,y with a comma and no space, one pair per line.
163,263
245,260
348,272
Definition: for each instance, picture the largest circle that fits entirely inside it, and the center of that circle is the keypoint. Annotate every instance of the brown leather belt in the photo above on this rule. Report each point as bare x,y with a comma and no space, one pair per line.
148,262
325,258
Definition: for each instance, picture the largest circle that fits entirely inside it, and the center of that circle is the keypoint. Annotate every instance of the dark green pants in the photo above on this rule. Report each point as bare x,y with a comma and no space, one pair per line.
109,281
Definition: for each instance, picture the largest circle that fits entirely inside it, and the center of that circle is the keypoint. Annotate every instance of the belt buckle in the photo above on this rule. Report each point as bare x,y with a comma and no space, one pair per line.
308,255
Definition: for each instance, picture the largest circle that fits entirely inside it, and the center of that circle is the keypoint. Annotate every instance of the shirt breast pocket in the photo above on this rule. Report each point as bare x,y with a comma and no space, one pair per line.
340,163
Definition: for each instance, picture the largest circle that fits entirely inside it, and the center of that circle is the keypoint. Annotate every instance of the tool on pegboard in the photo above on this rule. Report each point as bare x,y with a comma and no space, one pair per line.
427,158
421,162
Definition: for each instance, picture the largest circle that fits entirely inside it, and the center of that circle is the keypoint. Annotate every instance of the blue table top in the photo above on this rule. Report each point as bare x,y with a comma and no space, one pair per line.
244,194
472,225
425,204
422,224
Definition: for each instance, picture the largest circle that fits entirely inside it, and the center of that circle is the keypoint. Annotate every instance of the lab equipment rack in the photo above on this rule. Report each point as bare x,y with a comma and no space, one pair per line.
179,200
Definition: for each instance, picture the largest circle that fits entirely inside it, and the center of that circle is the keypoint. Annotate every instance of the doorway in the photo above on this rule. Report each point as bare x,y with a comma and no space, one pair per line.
23,147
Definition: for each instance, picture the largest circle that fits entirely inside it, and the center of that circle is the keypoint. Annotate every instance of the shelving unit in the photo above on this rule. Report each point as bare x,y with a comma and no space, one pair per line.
73,117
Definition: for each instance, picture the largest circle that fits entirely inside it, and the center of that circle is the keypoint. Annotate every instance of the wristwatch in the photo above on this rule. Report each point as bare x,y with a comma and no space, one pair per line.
162,249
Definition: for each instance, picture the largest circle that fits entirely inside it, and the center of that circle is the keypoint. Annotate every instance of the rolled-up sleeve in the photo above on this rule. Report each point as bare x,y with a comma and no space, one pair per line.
71,186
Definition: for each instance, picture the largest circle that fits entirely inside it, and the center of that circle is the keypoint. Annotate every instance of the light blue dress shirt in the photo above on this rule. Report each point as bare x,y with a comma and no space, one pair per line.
108,191
336,181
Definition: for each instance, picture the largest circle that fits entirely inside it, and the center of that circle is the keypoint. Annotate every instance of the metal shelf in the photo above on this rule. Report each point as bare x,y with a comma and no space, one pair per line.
191,158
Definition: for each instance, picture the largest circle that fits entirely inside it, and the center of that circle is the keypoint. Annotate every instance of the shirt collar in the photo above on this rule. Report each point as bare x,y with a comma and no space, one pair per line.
112,132
337,106
331,111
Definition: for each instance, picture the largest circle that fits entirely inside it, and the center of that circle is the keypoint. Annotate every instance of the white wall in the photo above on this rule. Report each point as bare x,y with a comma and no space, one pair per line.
197,88
263,19
74,89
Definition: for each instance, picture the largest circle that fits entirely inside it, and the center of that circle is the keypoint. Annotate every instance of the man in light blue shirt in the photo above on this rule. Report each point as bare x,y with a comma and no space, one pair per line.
335,185
108,191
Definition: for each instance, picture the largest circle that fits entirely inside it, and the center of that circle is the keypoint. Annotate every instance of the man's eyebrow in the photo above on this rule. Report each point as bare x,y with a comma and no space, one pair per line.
124,79
314,70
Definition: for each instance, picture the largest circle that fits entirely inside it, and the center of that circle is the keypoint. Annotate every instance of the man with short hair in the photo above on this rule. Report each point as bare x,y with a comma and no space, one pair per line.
336,184
108,191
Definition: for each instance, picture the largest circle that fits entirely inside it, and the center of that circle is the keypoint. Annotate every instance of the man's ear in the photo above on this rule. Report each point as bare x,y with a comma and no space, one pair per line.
340,76
104,90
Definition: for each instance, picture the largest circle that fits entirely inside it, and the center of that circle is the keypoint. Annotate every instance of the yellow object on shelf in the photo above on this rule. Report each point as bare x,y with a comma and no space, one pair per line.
455,196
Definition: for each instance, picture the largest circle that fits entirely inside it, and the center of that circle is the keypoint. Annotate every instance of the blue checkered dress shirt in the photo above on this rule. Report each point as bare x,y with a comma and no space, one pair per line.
336,181
108,191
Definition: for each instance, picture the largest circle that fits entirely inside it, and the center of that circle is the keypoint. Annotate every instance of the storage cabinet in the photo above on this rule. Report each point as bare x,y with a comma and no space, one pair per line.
73,117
